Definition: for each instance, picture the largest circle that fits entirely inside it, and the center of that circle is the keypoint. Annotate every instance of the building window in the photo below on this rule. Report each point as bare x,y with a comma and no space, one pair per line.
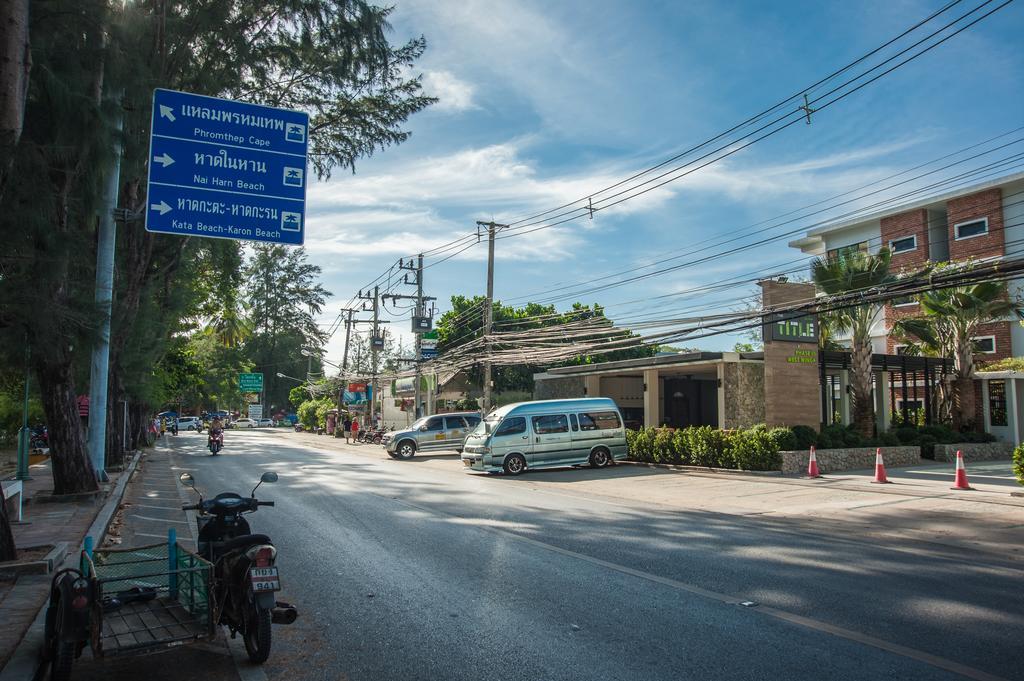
900,349
967,230
844,251
907,243
985,345
997,403
903,302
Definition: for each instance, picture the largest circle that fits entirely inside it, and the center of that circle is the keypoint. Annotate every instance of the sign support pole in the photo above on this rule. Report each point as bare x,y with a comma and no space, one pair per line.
99,366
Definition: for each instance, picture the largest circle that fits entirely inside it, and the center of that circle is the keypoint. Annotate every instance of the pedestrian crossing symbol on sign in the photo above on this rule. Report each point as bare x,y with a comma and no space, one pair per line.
295,132
291,222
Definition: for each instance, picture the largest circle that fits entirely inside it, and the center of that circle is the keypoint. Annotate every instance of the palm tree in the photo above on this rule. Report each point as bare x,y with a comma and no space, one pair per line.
949,321
855,272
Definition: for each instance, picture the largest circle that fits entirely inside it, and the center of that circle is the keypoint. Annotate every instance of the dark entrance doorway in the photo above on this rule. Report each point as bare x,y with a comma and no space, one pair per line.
690,402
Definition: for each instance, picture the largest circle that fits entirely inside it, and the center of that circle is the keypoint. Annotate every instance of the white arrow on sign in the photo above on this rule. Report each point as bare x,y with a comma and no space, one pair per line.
162,207
163,160
166,112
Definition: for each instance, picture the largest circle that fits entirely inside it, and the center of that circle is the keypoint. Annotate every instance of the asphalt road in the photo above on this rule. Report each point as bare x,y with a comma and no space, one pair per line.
408,571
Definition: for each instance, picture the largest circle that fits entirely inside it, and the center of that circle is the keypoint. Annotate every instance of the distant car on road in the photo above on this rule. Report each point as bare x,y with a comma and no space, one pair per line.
430,433
264,422
189,423
245,423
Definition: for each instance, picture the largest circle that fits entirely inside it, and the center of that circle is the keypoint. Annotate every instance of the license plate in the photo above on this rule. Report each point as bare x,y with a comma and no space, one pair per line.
467,463
264,579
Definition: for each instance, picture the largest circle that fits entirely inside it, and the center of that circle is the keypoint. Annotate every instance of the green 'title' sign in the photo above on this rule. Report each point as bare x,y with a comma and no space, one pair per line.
803,329
250,383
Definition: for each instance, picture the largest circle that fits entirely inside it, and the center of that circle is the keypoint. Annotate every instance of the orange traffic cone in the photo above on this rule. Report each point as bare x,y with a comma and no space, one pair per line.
812,466
961,473
879,467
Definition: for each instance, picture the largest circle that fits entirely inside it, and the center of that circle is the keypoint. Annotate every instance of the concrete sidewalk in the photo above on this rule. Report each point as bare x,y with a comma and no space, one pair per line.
43,524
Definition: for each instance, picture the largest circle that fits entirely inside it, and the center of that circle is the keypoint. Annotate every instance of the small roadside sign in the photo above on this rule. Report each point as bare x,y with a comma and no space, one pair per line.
225,169
428,353
250,383
256,411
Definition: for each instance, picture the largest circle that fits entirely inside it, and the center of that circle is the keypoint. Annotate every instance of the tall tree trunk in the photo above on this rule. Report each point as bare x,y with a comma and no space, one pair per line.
7,549
860,386
963,383
72,469
15,65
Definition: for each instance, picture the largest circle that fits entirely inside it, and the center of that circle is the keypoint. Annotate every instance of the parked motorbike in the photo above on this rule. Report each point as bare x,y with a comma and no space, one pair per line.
378,435
39,438
215,442
245,577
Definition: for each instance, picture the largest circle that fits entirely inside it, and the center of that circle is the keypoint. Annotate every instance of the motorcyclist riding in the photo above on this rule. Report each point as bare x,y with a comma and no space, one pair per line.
216,438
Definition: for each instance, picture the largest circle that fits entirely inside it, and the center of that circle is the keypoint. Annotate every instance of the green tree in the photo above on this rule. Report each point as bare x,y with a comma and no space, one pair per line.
855,272
949,321
284,298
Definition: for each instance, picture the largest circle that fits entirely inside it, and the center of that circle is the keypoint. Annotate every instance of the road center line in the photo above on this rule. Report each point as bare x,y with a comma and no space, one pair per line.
792,618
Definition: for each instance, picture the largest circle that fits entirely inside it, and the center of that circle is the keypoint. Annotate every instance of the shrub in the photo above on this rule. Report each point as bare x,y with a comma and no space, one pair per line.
640,444
888,439
927,444
806,437
706,446
785,439
907,436
663,449
754,450
1018,463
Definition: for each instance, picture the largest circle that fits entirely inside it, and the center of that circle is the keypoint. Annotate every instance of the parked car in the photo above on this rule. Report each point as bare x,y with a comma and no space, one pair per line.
264,422
431,433
547,434
245,423
189,423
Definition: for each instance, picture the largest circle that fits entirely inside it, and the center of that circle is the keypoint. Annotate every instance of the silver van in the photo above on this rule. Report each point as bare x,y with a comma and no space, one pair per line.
547,434
431,433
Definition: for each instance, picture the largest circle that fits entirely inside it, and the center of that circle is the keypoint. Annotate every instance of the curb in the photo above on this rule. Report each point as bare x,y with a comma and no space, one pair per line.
698,469
26,662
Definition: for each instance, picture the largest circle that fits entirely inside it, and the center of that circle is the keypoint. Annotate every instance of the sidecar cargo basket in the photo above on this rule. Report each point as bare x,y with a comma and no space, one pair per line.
163,595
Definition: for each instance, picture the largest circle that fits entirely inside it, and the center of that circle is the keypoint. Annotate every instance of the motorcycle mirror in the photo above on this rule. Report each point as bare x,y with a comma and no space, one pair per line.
269,476
187,479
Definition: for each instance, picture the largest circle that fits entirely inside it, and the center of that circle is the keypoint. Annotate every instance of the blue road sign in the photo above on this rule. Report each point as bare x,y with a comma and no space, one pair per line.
225,169
428,353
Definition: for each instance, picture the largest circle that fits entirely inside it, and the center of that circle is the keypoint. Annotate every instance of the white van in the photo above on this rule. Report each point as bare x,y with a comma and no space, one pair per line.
547,434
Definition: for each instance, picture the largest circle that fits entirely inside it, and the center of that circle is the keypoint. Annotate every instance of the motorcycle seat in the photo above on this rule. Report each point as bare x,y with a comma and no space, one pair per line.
245,541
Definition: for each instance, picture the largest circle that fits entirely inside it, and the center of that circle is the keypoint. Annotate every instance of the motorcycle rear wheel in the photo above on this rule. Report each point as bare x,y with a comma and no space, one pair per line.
257,634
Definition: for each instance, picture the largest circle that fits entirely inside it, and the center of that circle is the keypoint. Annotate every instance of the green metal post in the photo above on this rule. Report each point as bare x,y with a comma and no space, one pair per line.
23,436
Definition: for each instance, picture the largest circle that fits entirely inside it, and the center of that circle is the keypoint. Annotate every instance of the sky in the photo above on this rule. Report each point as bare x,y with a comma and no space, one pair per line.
542,103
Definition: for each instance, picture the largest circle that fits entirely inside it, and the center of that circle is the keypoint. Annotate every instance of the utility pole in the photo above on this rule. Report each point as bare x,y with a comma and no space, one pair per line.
376,344
417,323
492,227
344,359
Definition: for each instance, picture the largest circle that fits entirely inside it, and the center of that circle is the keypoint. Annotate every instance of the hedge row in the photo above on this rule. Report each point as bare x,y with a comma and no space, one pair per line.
926,437
1018,463
753,449
757,448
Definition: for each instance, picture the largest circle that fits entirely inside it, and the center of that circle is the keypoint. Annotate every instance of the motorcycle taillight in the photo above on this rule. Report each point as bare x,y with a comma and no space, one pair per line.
262,556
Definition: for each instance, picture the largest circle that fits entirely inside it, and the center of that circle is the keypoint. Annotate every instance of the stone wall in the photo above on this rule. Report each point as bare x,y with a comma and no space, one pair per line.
975,451
743,387
851,459
558,388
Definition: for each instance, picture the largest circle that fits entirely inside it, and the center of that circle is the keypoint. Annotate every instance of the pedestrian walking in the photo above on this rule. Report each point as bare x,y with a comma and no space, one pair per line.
163,427
355,431
346,424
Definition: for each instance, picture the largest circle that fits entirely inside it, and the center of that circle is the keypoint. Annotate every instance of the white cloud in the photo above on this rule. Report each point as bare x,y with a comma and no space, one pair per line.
452,93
